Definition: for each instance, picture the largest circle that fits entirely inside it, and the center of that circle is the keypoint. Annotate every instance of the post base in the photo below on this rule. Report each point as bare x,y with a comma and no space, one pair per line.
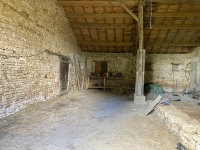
139,99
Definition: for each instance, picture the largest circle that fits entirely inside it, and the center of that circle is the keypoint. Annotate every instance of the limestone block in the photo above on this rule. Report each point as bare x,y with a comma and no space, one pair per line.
198,146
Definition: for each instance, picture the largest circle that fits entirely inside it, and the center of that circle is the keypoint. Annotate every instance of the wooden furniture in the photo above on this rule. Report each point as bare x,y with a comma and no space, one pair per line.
102,80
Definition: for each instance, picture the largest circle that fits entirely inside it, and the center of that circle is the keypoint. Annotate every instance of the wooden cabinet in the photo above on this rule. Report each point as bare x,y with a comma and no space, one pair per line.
103,80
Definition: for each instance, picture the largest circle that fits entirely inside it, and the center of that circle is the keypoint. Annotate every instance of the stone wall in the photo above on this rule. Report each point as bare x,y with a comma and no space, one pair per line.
27,72
117,62
159,70
195,69
181,125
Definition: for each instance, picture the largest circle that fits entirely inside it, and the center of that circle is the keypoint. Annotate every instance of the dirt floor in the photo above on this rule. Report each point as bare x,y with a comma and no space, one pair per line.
87,120
186,104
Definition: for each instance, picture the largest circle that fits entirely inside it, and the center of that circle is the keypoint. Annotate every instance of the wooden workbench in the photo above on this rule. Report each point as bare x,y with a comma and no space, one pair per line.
103,81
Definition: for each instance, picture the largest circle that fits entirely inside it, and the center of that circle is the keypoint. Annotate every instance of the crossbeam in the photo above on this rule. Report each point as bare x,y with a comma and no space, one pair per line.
93,3
121,25
173,44
99,43
175,1
106,43
119,15
102,25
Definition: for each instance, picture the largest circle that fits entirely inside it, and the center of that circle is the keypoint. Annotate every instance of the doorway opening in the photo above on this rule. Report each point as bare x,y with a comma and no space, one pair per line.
64,76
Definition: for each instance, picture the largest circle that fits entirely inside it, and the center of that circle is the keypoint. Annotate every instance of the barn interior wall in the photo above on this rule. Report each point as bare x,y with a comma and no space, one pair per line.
195,69
159,71
168,70
27,72
117,62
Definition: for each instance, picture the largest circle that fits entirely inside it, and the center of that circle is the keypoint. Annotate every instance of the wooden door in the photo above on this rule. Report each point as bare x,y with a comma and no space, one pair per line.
64,68
98,67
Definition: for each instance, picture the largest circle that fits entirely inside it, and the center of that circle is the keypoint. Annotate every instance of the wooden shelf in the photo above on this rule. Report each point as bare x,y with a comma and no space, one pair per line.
104,82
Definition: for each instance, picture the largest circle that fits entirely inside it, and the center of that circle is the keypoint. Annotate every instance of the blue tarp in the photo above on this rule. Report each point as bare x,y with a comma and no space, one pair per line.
153,88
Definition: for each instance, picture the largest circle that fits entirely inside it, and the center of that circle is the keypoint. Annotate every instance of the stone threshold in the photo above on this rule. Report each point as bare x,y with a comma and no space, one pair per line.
181,125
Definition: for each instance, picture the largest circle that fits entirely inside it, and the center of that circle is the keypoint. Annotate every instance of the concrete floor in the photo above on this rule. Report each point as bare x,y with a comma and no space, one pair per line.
87,120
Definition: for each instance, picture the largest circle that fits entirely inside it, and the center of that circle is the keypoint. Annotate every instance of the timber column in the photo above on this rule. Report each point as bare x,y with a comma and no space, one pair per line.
139,97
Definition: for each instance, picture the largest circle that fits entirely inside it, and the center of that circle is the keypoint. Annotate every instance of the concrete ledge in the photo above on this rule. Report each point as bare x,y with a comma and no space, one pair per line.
181,125
139,99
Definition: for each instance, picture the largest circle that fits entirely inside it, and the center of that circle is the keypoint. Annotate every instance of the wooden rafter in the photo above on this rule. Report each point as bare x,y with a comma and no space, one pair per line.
102,25
173,44
173,26
110,22
175,14
175,1
97,15
94,3
132,44
123,25
166,36
115,2
118,15
106,43
179,30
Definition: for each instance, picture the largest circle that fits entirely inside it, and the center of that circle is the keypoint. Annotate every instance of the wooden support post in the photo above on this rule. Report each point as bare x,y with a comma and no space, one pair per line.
139,98
76,72
86,75
140,51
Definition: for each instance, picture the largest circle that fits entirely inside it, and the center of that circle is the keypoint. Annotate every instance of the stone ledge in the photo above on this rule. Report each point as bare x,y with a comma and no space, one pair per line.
181,125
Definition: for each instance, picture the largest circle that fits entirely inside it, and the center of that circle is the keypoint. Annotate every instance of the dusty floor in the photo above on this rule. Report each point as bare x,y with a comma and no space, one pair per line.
88,120
188,105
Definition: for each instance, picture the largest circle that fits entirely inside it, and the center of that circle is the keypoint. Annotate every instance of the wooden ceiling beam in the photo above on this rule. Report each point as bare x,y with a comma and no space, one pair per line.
181,27
98,43
119,15
97,15
173,44
102,25
93,3
106,43
175,1
117,2
174,14
121,25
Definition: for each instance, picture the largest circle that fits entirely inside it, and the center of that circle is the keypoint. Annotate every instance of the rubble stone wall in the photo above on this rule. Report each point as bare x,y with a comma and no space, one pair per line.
159,70
27,72
195,57
181,125
117,62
